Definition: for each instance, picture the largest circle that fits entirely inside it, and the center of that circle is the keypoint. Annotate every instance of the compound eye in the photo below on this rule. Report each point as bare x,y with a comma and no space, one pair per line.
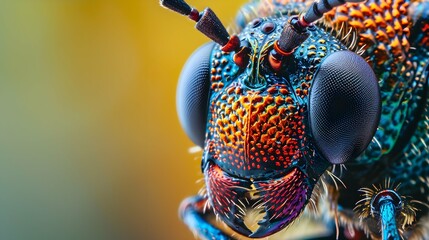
192,94
344,107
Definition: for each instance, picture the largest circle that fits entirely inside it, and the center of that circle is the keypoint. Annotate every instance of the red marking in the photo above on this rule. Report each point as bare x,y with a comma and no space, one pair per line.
256,22
232,45
303,22
242,57
280,51
194,15
268,27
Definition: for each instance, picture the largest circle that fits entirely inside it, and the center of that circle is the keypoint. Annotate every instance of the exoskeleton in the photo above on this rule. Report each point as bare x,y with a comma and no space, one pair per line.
310,110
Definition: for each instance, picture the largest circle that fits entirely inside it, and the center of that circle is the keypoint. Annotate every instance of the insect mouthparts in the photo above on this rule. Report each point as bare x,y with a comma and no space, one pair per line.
278,106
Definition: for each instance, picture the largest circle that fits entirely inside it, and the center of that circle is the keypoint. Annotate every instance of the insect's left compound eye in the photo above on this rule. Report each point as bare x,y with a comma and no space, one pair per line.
344,108
192,94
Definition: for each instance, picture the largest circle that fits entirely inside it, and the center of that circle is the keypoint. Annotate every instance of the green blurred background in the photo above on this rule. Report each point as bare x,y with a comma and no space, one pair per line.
90,145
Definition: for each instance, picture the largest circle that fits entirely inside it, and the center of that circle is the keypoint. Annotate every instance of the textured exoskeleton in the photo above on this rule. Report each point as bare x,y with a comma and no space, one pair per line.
312,110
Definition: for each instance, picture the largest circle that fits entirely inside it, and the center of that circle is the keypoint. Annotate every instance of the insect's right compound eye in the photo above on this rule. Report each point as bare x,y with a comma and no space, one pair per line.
345,106
193,93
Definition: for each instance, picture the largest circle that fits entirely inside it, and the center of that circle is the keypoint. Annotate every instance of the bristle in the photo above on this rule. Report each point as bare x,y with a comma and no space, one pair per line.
195,149
407,214
346,34
421,229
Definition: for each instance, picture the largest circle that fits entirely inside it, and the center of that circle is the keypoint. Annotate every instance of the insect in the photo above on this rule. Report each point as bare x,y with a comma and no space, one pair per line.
311,108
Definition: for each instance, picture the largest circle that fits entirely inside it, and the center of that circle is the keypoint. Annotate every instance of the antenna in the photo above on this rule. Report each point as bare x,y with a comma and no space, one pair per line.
209,24
295,31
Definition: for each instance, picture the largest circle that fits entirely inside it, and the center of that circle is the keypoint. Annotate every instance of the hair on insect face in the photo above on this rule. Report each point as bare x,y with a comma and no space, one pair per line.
268,142
280,103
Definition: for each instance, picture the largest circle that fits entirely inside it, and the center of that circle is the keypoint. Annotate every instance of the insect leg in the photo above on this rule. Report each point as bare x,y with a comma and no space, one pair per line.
192,213
385,205
388,222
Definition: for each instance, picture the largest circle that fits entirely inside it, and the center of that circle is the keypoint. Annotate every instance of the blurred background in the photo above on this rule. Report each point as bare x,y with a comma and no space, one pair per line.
90,145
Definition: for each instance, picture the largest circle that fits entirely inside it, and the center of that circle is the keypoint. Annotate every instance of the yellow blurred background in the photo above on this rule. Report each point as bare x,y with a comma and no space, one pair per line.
90,145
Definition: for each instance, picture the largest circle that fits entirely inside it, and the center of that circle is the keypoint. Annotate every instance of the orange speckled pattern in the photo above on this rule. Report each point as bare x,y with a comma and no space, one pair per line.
255,130
263,153
383,27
